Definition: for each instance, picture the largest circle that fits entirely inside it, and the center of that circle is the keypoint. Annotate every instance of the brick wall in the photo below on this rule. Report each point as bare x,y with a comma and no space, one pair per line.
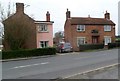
71,34
30,42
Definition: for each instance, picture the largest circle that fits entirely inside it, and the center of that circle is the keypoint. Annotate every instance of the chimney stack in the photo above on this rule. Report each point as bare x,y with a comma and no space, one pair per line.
47,16
67,14
19,8
107,15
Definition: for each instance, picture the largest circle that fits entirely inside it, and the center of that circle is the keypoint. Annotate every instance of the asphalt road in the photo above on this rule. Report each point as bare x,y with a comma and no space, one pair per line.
58,66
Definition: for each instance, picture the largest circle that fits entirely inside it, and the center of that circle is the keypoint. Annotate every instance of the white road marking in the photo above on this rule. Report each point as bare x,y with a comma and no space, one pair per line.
45,63
30,65
82,57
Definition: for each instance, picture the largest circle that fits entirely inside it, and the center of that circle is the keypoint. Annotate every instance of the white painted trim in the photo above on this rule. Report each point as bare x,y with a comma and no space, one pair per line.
79,38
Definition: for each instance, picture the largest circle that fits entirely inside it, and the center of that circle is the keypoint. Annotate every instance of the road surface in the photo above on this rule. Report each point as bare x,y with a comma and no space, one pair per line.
58,66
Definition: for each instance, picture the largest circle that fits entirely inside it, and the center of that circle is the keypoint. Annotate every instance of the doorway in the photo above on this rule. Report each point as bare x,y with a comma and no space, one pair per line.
95,39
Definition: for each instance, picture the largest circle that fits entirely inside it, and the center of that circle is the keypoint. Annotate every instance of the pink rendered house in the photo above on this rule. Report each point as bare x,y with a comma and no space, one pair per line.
41,35
44,32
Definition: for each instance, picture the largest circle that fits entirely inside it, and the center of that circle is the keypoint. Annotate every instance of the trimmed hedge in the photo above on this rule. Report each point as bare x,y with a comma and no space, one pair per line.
117,41
113,45
90,46
28,53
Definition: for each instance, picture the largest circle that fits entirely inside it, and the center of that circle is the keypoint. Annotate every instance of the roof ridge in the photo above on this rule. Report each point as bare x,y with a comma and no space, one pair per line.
88,17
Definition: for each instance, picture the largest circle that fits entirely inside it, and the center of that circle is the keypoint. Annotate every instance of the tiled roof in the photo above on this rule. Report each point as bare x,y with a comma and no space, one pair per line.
90,21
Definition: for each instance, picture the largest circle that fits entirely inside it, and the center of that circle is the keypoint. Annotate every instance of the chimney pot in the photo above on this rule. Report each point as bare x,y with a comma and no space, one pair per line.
67,14
107,15
47,16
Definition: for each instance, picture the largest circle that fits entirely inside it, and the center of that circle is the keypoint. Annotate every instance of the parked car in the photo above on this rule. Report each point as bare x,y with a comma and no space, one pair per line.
64,47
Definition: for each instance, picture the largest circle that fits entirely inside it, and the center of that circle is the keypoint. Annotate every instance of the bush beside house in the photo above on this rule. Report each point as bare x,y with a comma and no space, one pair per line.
113,45
117,39
28,53
90,46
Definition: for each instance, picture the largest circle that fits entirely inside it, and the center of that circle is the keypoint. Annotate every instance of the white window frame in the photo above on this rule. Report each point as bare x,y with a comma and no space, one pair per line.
107,27
107,39
80,28
45,44
80,38
42,28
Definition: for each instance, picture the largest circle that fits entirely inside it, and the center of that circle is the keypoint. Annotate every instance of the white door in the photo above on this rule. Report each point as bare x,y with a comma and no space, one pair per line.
107,40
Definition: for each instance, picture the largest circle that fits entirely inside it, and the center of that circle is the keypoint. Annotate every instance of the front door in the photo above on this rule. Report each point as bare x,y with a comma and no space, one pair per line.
107,40
95,39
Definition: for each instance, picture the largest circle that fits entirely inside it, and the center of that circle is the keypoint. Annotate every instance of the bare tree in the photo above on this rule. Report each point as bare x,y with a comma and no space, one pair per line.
59,36
6,11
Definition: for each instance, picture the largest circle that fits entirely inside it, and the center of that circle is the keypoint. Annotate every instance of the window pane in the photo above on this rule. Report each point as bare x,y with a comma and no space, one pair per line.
80,27
107,28
46,43
80,41
43,27
43,44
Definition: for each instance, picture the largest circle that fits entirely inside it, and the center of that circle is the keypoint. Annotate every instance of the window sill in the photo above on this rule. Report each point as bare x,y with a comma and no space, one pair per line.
81,31
43,31
107,31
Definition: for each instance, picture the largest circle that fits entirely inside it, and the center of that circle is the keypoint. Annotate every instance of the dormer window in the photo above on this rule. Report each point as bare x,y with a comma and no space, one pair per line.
42,28
80,27
107,28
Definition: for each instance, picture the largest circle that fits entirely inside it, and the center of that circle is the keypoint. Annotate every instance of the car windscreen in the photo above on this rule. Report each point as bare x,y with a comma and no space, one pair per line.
67,45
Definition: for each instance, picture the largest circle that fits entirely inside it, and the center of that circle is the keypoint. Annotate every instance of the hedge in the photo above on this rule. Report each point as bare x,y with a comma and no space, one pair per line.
28,53
90,46
113,45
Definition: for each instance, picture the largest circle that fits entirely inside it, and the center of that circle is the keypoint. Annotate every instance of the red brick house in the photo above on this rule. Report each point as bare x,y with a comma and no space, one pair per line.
41,32
87,30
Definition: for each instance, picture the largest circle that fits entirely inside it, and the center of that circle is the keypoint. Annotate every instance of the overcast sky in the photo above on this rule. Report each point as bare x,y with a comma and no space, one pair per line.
78,8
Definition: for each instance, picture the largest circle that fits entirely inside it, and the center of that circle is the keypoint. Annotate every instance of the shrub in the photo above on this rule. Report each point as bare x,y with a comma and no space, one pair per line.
117,41
90,46
113,45
28,53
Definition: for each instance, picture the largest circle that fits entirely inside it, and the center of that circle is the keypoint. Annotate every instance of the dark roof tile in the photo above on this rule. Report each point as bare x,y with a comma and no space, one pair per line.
90,21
